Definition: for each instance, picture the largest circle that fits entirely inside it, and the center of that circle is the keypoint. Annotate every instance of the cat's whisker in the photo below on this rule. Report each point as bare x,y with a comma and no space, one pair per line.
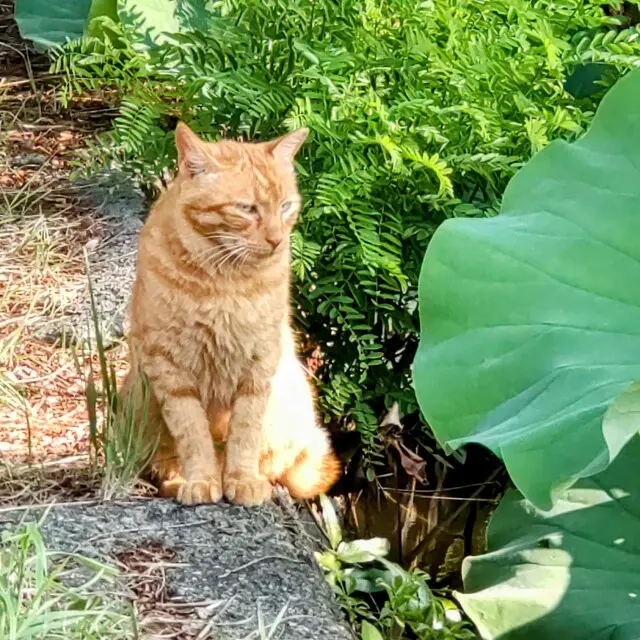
225,256
239,261
214,253
230,256
221,235
244,260
215,259
206,254
205,258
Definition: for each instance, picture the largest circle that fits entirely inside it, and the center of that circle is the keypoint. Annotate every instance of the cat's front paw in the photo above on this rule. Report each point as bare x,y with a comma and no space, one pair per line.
200,490
249,491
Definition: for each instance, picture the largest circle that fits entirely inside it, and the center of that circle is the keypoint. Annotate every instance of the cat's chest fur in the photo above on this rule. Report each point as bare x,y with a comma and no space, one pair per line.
233,324
225,335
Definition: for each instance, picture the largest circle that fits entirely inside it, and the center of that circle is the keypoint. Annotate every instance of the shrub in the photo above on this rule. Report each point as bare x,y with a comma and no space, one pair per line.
419,112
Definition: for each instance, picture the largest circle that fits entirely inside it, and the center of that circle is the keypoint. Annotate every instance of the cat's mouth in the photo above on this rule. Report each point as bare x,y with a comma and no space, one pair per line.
264,252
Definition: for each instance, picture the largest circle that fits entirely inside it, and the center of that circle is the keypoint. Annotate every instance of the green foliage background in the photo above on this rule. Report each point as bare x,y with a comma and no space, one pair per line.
530,321
419,111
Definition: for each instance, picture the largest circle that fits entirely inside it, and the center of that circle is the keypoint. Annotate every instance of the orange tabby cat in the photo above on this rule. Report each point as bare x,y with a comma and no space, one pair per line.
210,329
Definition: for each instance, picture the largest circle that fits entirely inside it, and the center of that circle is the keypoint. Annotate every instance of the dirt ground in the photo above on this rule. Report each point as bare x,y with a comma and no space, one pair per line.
46,225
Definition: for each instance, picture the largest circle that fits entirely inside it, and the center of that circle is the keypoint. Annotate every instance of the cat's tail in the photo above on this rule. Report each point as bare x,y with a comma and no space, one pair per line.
315,470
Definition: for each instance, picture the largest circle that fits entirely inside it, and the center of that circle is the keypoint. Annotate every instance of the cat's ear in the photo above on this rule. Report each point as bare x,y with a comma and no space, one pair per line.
193,158
284,149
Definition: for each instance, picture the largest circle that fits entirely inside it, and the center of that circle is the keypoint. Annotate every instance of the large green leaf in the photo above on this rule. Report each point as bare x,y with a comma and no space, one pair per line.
48,23
103,8
530,321
571,573
150,20
153,20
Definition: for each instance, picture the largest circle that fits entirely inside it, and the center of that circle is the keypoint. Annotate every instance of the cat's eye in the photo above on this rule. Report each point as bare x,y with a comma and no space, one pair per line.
245,207
287,208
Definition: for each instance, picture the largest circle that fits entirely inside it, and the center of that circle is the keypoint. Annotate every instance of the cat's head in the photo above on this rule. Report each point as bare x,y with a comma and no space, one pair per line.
242,197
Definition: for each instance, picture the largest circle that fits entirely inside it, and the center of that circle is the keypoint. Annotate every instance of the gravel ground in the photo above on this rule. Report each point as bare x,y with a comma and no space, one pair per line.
120,209
239,564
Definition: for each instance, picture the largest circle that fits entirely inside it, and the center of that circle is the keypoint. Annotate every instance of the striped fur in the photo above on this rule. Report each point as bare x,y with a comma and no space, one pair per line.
230,405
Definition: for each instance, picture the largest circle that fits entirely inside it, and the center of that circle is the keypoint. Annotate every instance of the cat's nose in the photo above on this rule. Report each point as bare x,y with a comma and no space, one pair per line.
275,240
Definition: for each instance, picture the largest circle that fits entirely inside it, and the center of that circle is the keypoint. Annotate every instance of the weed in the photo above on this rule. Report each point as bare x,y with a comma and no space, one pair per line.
268,630
37,601
116,428
380,597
